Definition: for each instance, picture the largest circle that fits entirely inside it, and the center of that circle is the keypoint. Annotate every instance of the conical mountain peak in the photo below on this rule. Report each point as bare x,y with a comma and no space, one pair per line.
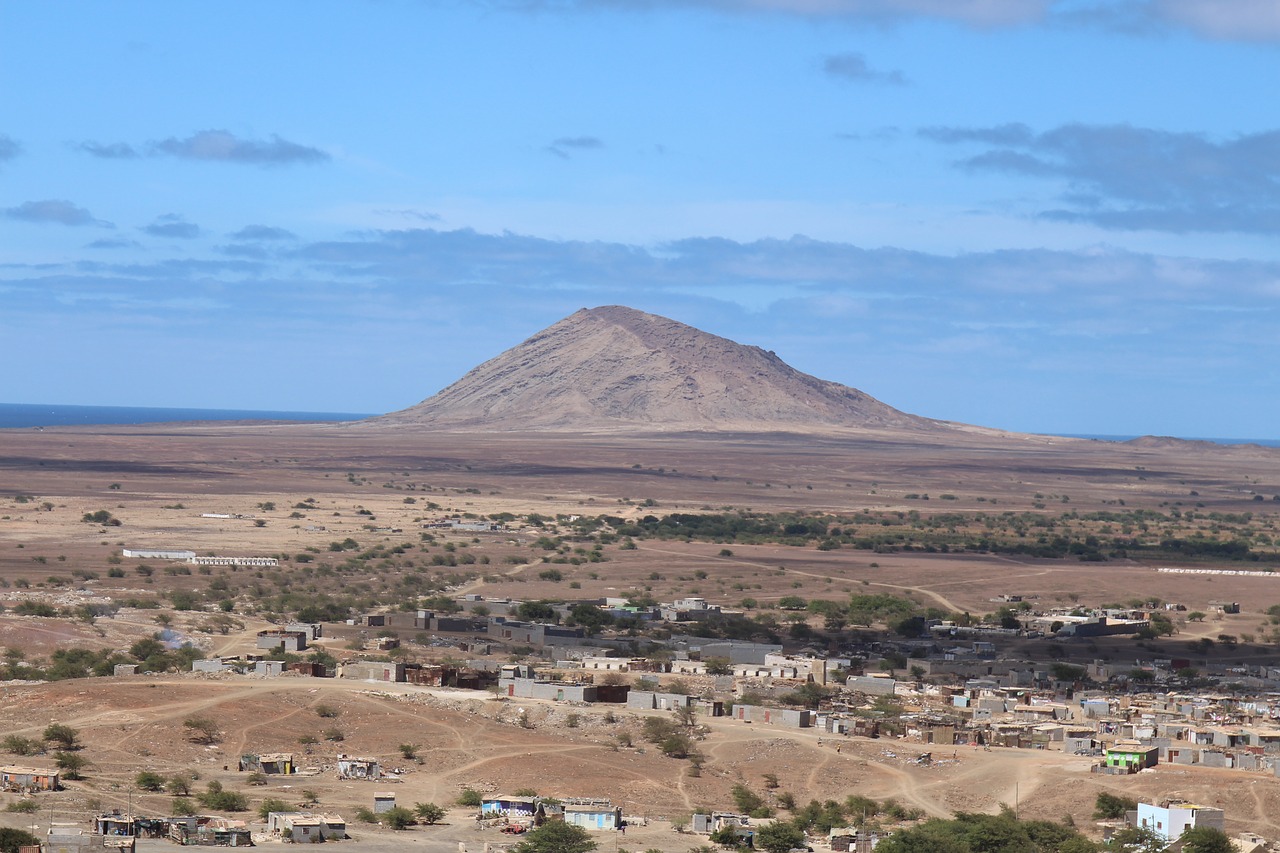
615,367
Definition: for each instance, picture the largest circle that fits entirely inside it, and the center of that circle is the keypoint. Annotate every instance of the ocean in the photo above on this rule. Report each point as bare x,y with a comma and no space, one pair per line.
14,415
1265,442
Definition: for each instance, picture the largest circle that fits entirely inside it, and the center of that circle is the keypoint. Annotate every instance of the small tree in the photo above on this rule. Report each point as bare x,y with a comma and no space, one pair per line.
12,839
62,735
778,837
19,745
148,781
1110,807
469,797
272,804
429,813
397,817
1204,839
203,729
70,764
556,837
727,836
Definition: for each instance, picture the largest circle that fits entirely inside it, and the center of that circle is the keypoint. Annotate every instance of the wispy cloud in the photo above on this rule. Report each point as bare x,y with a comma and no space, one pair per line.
108,150
114,243
263,232
54,211
430,257
172,225
223,147
1218,20
565,145
1225,20
9,147
976,13
408,213
854,66
1130,178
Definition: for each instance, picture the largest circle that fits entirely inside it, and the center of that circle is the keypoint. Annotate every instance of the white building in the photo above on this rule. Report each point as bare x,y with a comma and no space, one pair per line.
157,554
259,562
1169,822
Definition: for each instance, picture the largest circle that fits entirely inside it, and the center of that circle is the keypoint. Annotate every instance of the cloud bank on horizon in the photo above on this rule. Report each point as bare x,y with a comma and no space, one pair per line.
1043,215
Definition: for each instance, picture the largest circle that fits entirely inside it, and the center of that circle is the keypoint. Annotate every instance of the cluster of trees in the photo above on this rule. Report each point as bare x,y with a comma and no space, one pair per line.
149,653
1027,534
58,736
815,818
1005,833
674,737
399,817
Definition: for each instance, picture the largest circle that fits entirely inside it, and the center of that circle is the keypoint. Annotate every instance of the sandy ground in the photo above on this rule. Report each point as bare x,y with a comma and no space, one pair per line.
168,476
472,740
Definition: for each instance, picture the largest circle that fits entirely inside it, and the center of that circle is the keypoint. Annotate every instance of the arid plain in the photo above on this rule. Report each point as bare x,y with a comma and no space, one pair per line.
364,481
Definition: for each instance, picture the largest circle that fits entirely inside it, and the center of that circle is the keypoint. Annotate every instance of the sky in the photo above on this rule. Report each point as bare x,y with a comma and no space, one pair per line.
1057,216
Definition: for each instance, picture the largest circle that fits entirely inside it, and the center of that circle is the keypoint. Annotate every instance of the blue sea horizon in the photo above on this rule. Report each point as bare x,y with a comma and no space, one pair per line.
30,415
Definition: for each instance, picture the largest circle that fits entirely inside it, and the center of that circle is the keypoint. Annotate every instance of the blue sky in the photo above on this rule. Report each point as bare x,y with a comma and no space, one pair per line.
1038,215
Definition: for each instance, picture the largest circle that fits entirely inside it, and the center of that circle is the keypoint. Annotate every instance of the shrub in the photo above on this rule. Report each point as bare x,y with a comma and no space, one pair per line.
202,729
148,781
469,797
62,735
398,817
219,799
429,813
19,745
272,804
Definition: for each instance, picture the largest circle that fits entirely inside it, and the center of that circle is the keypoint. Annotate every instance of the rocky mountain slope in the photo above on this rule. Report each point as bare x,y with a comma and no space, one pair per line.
615,368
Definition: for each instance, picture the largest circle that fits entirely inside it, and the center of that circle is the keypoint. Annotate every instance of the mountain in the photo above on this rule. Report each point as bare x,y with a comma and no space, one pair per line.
614,368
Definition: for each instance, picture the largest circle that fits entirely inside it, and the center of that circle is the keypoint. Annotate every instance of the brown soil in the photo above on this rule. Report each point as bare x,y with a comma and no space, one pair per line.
136,723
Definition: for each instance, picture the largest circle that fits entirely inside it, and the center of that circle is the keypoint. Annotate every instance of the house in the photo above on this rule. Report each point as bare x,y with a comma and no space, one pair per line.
709,823
650,700
276,638
306,827
1130,757
383,801
351,767
268,668
532,688
1172,819
365,670
208,665
271,763
788,717
312,630
310,669
64,838
687,610
27,779
124,669
593,814
115,824
875,685
507,806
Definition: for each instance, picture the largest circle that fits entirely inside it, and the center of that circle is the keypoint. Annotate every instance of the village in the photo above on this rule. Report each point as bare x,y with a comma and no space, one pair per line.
934,697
